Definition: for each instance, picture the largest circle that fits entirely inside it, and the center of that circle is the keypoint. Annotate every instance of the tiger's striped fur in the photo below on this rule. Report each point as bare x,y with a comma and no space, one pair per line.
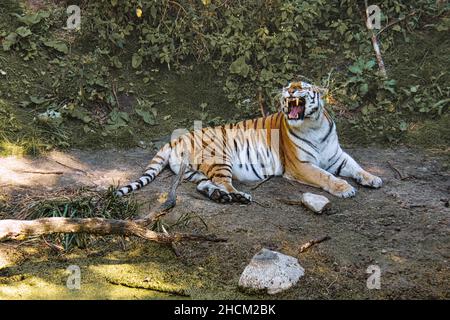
299,142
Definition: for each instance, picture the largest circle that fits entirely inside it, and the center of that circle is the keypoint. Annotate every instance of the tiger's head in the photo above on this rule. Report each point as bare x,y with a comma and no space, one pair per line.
300,101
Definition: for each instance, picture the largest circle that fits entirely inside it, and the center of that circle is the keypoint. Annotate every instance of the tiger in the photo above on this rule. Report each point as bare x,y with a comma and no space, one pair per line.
299,142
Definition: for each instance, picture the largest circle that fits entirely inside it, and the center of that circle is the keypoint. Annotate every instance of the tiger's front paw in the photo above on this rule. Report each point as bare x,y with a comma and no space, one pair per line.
369,180
342,189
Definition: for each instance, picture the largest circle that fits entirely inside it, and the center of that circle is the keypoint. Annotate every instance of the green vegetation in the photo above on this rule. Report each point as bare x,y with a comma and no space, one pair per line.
125,77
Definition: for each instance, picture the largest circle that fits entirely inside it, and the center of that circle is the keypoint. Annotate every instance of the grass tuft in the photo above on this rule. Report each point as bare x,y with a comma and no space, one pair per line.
71,203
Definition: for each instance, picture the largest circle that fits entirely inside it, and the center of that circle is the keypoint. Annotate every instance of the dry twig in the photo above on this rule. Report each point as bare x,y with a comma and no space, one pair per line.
400,175
69,167
310,243
39,172
290,202
395,22
260,183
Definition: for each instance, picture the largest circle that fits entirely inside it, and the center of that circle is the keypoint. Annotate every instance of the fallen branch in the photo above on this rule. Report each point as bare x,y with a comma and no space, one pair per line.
39,172
310,243
22,229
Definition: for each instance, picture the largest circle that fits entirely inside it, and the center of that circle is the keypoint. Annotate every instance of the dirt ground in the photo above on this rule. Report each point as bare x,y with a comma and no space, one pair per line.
402,227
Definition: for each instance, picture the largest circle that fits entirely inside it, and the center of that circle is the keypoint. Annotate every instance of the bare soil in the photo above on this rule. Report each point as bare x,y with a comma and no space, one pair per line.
402,227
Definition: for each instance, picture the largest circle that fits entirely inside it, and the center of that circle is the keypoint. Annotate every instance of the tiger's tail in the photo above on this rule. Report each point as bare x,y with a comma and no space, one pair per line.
157,164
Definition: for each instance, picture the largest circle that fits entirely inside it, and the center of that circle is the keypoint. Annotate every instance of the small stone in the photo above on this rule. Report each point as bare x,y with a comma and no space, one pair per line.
3,73
271,271
315,202
384,251
142,144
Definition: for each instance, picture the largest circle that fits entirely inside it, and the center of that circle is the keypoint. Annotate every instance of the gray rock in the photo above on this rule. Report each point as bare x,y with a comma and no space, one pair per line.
271,271
315,202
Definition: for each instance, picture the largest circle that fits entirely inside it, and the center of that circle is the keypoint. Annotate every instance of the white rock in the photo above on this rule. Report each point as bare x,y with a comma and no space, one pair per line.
315,202
271,271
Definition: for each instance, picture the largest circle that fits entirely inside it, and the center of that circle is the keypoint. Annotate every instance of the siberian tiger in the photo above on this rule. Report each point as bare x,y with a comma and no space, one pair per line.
299,142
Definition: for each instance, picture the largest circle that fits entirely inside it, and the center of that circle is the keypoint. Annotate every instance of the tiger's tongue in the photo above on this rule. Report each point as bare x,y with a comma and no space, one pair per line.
295,110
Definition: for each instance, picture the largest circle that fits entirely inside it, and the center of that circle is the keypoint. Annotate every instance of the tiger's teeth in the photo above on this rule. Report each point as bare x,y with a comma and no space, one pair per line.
296,101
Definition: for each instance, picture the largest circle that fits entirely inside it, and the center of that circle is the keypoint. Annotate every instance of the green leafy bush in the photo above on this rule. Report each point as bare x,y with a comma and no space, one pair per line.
256,46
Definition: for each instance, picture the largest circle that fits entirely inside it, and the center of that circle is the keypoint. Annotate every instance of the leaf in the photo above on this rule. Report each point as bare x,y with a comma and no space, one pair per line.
57,45
117,120
355,69
116,62
266,75
403,126
148,117
80,114
9,41
370,64
32,19
23,32
37,100
364,88
136,60
239,66
153,12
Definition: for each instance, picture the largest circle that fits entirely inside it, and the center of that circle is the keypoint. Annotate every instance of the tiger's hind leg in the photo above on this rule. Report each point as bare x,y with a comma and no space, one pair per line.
222,193
218,186
222,177
207,187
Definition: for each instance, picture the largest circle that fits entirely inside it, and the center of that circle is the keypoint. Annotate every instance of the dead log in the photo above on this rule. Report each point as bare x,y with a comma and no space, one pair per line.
21,229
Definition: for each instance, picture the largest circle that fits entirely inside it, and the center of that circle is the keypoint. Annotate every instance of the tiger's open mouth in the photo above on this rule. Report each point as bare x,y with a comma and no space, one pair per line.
296,108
